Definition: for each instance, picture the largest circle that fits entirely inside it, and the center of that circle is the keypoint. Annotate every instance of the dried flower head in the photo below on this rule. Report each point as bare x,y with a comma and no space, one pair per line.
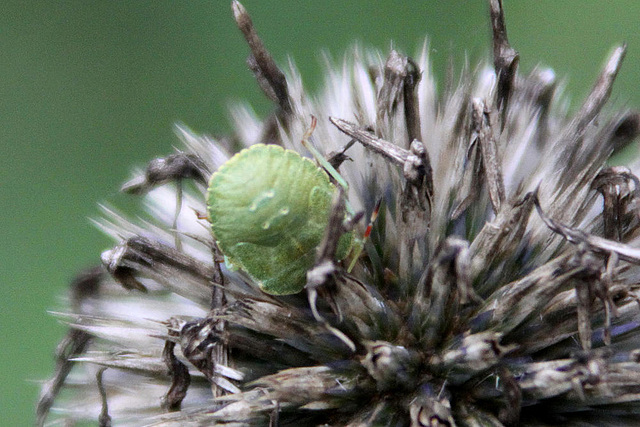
498,285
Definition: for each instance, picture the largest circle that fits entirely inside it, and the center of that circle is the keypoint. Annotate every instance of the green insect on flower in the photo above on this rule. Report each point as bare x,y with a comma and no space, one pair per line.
269,208
502,288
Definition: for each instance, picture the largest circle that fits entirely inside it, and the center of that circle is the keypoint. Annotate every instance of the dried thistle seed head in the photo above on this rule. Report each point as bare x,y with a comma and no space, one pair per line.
499,285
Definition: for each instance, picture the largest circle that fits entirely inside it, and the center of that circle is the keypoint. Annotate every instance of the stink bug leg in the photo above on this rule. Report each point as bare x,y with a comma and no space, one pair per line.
358,244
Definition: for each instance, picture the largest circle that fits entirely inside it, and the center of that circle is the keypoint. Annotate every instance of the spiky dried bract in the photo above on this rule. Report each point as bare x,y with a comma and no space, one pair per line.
498,287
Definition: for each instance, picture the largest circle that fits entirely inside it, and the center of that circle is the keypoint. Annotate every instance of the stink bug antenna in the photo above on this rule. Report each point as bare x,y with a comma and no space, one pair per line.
333,173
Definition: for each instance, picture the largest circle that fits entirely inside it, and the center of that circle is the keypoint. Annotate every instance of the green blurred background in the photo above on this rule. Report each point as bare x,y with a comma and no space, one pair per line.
90,89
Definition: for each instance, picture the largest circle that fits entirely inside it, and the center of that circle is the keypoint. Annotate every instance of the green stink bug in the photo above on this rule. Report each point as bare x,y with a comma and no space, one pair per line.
269,208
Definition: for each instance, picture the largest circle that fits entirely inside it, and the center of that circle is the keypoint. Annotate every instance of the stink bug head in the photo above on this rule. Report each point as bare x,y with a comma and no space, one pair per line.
268,209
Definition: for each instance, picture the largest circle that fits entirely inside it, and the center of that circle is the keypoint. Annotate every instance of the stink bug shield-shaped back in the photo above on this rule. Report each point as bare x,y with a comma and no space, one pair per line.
269,208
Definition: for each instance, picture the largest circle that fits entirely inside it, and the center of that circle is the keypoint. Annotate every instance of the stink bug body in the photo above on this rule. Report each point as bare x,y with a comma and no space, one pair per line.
269,208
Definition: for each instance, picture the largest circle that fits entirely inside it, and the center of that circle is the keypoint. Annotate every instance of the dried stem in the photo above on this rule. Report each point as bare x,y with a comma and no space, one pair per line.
180,378
104,420
272,81
168,169
85,286
395,72
385,148
596,244
505,59
601,91
483,135
414,205
620,190
411,103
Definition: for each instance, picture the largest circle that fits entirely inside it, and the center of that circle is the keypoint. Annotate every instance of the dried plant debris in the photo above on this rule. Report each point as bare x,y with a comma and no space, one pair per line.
497,286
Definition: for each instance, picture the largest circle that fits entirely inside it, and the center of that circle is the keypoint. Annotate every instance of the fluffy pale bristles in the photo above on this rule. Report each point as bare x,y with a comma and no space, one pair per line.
498,287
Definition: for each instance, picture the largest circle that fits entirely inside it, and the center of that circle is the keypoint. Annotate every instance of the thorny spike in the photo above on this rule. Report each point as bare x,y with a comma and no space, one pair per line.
84,287
72,345
176,215
491,160
139,256
414,205
447,288
180,378
218,297
174,168
168,169
603,292
499,238
412,103
584,283
620,190
385,148
269,76
395,73
220,354
505,60
597,244
601,90
574,134
104,420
